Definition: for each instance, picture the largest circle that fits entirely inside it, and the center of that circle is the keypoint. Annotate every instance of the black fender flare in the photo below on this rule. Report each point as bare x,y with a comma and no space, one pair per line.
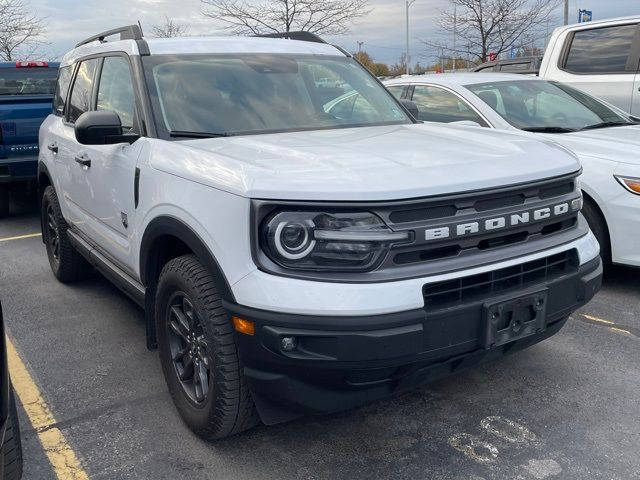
169,225
172,226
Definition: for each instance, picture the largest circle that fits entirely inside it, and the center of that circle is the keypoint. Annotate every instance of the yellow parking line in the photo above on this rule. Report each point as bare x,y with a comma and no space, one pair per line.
620,330
599,320
20,237
63,459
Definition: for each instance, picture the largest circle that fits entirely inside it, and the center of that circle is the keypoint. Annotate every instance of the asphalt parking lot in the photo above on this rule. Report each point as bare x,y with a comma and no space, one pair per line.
567,408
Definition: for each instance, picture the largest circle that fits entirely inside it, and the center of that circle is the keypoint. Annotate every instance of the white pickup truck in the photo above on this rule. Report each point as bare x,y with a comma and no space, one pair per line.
601,58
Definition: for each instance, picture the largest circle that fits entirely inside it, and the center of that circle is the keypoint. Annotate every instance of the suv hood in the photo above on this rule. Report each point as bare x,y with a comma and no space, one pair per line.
618,144
370,163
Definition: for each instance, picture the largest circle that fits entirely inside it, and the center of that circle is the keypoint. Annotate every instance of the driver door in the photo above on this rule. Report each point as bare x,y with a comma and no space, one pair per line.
108,172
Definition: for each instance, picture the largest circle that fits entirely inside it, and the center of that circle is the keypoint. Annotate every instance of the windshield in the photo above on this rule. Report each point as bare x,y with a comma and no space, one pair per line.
28,81
203,95
539,105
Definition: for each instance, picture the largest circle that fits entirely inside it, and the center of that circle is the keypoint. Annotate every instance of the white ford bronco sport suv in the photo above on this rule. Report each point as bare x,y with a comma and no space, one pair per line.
292,260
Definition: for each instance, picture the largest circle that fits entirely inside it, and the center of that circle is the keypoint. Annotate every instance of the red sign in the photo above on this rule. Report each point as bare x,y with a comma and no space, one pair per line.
492,56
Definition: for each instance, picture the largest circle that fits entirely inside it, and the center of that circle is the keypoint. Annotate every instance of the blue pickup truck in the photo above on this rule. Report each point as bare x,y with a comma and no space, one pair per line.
26,98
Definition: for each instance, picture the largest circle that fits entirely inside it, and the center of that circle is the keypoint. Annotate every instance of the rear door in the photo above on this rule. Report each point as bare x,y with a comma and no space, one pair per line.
106,187
603,62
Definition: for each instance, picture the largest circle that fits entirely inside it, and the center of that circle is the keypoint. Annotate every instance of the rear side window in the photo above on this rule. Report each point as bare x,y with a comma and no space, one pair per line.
62,88
601,50
515,67
438,105
27,81
81,100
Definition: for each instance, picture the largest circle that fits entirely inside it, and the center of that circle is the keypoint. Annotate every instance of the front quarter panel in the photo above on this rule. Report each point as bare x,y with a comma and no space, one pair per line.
220,219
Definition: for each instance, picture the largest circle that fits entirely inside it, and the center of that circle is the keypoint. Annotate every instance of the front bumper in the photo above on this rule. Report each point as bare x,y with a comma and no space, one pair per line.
18,169
344,361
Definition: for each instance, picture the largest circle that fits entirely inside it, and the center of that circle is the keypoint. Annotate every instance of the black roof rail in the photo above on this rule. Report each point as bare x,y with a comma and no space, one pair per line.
130,32
302,36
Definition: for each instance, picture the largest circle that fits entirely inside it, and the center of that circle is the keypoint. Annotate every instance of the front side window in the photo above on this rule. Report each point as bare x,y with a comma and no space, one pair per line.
80,101
546,106
208,95
115,90
436,104
601,50
62,88
397,90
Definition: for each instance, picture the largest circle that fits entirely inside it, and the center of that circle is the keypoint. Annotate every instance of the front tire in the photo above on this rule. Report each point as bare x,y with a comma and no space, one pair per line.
12,447
198,352
66,263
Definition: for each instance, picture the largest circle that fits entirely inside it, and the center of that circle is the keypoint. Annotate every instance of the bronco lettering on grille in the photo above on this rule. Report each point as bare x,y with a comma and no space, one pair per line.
496,223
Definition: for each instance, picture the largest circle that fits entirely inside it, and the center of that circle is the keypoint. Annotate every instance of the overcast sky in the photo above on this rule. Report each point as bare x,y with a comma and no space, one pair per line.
382,31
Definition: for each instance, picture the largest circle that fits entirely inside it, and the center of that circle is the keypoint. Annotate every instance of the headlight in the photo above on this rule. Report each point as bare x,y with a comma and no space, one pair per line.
630,183
321,241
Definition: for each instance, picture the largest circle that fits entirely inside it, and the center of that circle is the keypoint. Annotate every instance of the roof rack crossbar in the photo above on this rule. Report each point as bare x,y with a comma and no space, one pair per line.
129,32
302,36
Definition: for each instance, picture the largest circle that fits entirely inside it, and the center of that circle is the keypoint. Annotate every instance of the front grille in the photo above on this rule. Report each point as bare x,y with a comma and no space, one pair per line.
480,202
450,293
477,208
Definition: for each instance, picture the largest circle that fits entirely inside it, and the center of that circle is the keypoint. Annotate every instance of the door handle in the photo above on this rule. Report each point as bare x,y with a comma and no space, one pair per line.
53,147
84,160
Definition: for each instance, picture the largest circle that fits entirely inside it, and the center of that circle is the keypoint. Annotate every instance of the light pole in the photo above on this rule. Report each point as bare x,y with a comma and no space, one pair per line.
408,4
455,34
566,12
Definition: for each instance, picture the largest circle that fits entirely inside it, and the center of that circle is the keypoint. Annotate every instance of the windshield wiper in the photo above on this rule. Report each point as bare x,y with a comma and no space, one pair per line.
182,133
607,125
548,129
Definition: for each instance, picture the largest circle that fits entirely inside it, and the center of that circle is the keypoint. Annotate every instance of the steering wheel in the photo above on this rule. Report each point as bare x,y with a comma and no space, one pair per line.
560,117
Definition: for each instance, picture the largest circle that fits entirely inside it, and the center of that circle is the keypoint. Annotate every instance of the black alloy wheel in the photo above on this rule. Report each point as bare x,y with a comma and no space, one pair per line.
53,233
198,352
188,347
66,263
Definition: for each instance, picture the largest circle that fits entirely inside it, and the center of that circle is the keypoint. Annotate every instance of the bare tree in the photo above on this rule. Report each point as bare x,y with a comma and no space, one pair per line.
483,26
169,29
21,32
323,17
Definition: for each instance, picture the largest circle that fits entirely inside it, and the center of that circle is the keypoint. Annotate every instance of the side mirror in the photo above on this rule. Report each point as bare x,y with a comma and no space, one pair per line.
102,127
410,107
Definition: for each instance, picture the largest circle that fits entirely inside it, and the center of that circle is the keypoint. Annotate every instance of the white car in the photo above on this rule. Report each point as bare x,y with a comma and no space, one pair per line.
290,259
606,139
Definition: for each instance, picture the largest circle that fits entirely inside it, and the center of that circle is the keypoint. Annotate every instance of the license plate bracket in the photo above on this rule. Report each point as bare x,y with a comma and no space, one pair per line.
513,319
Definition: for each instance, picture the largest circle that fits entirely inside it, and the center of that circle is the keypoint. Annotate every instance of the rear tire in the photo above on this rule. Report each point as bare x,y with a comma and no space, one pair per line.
599,228
5,200
12,447
66,263
198,352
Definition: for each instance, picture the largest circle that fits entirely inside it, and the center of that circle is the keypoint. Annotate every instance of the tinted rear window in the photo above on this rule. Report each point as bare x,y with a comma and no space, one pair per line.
28,81
601,50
